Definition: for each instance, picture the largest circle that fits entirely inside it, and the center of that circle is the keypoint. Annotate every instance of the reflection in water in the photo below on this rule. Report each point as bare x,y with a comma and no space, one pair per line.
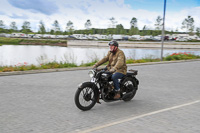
13,54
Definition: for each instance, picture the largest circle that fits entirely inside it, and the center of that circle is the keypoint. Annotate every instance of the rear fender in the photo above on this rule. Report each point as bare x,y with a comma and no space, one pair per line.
134,78
136,81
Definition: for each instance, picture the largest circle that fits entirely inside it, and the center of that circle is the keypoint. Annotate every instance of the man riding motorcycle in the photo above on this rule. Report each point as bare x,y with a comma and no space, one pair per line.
117,65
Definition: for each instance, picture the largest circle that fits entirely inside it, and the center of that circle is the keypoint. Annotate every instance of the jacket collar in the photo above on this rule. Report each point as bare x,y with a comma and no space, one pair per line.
115,51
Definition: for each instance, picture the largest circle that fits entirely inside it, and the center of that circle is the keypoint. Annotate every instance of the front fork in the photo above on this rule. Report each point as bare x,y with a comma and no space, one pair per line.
96,89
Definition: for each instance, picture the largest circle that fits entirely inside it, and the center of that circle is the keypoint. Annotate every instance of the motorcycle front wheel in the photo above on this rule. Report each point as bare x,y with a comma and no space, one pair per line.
85,97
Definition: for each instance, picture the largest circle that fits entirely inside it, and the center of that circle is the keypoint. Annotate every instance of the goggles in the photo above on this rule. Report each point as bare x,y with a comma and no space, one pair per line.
111,43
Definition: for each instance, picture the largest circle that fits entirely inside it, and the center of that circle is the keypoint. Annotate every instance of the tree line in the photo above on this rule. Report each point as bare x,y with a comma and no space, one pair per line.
114,28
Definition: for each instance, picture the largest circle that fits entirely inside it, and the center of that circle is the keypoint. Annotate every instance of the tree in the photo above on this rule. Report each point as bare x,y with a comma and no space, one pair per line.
56,27
2,25
188,24
26,27
119,29
144,30
158,23
42,29
133,22
171,32
198,31
133,31
113,22
88,24
13,26
52,32
70,27
176,29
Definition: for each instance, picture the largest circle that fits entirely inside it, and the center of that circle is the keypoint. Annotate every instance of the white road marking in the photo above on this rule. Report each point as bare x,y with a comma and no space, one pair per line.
137,117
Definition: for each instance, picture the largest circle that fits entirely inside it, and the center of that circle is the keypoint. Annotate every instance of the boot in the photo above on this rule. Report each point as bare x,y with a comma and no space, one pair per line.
117,95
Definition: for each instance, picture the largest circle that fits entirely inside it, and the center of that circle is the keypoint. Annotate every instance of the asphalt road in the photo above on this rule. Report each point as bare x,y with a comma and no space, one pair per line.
168,101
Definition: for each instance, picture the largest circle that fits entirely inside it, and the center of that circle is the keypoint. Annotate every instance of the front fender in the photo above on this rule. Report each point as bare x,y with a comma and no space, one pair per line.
89,84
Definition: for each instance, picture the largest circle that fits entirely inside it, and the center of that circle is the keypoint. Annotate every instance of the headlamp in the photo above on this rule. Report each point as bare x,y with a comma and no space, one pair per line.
91,73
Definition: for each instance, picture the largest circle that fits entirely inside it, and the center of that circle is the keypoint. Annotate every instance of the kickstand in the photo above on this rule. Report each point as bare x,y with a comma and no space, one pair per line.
98,101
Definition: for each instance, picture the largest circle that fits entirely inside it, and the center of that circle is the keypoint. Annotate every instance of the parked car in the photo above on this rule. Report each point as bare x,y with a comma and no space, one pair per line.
117,37
71,38
166,38
157,38
181,39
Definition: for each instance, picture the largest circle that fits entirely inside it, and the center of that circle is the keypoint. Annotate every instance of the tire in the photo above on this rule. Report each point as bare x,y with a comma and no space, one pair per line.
85,95
130,86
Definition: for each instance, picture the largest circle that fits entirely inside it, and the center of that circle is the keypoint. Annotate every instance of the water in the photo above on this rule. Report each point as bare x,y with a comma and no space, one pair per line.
15,54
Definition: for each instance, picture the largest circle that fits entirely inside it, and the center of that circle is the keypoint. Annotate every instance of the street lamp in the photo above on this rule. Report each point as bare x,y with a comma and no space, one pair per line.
163,30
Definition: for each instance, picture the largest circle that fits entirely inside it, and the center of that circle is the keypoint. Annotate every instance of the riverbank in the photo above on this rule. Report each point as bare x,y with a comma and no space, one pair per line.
20,41
136,44
85,68
60,65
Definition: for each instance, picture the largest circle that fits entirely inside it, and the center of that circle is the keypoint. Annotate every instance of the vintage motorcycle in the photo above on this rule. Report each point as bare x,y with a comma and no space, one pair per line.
101,87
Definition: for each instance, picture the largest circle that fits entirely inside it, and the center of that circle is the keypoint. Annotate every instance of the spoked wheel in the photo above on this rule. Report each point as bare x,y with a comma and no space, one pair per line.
130,86
85,97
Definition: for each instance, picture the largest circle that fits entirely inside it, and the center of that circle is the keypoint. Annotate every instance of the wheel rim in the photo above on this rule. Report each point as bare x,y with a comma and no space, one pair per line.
129,86
86,97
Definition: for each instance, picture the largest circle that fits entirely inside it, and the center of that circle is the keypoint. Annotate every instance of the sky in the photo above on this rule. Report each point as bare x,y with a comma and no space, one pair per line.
98,12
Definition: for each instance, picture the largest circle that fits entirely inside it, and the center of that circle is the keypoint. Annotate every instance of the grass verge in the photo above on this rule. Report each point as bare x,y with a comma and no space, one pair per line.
19,41
52,65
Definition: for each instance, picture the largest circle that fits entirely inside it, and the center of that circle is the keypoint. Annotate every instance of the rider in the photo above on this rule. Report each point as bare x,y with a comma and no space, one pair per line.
116,65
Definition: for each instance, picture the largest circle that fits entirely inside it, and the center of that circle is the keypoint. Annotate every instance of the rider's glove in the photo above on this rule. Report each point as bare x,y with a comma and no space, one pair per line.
112,70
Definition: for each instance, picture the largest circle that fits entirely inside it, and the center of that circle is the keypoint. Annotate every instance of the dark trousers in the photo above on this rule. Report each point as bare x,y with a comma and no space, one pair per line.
115,78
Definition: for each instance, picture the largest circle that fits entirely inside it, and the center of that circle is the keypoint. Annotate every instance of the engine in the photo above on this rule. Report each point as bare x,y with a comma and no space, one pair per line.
108,91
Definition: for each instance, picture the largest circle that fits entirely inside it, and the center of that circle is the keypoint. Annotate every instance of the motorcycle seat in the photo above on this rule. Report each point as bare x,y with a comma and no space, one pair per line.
132,72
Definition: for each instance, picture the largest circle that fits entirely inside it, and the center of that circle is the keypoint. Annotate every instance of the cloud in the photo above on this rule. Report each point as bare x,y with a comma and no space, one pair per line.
15,16
194,11
68,6
84,9
46,7
84,6
174,19
2,13
98,11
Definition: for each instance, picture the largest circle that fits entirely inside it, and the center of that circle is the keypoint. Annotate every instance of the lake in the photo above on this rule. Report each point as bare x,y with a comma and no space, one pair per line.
16,54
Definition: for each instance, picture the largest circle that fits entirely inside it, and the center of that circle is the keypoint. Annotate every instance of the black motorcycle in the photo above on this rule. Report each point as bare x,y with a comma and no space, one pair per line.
101,87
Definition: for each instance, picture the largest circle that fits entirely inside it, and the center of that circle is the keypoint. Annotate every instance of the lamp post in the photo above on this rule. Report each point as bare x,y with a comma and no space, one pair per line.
163,30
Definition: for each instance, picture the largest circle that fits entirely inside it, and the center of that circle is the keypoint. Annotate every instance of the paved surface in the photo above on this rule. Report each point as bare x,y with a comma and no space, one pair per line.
137,44
167,101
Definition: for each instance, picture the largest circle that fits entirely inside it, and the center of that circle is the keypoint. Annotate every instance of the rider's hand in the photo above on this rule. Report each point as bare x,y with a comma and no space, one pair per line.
94,66
112,70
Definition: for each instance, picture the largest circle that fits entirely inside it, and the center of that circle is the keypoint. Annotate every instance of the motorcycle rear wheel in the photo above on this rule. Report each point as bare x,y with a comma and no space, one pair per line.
131,86
85,97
